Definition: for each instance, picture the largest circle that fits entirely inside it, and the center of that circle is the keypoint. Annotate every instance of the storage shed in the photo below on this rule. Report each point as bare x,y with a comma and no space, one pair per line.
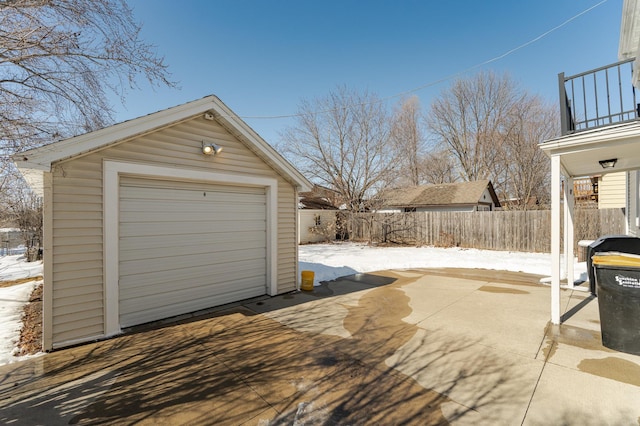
170,213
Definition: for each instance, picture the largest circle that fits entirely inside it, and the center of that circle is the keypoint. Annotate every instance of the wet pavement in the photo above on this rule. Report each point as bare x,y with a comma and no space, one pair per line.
395,347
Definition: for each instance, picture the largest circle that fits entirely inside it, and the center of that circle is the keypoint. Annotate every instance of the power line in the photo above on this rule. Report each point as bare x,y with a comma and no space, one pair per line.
504,55
450,76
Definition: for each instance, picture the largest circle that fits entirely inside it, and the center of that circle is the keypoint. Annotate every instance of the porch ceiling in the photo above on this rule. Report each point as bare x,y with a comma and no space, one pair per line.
580,153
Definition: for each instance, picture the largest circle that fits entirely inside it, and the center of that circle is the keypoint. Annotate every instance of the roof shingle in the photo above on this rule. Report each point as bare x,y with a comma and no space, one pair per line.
438,195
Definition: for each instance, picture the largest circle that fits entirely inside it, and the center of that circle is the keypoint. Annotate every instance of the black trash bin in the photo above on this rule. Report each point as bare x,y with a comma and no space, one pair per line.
618,286
618,243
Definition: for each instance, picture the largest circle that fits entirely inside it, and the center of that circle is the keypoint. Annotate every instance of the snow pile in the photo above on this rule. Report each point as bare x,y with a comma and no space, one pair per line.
16,267
330,261
12,301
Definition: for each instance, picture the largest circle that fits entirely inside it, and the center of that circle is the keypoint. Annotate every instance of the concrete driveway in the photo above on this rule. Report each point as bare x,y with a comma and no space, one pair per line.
395,347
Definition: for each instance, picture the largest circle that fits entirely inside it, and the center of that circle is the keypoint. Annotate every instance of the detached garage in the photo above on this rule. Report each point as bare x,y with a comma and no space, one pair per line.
171,213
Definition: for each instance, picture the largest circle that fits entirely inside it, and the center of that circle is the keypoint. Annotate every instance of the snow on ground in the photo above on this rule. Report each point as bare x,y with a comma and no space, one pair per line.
330,261
16,267
12,301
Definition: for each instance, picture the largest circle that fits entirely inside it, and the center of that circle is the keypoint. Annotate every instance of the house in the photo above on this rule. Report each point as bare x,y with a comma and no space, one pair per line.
612,190
450,197
599,137
608,191
585,191
173,212
317,215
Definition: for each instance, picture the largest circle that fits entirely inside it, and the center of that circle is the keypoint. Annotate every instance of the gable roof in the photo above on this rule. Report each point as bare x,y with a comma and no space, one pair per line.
34,162
461,193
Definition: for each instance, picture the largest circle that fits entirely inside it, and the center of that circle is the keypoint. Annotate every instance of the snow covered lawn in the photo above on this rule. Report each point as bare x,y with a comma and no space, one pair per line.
330,261
12,301
16,267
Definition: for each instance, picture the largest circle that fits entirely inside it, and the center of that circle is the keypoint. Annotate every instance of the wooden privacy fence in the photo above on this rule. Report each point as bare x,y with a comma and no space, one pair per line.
528,231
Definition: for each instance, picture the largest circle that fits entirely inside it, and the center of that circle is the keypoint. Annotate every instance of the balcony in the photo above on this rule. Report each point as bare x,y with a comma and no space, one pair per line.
598,98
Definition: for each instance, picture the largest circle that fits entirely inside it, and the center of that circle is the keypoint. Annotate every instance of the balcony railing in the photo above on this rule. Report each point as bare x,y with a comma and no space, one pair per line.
597,98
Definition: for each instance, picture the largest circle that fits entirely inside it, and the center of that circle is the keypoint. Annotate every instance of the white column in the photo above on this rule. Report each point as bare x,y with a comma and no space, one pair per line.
555,239
569,207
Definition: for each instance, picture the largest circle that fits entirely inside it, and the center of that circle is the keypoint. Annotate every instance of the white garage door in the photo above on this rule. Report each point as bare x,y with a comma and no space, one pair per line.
188,246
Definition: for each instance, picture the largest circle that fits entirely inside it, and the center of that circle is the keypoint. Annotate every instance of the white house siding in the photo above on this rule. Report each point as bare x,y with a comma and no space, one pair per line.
307,220
612,190
77,240
486,198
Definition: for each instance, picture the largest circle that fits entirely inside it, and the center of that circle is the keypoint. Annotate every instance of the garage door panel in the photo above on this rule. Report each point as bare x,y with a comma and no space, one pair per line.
144,310
179,263
140,203
187,246
202,238
237,196
210,249
174,229
252,275
193,217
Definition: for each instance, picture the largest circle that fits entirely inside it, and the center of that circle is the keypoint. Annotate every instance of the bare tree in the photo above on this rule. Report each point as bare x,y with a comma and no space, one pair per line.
492,128
407,138
438,167
58,60
469,120
340,141
530,122
27,215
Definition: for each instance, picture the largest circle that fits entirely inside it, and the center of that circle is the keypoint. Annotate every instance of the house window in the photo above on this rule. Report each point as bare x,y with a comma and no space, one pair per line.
318,220
409,209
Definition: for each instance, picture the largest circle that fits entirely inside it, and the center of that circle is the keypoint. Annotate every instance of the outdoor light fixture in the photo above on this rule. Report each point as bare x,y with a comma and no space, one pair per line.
211,149
608,164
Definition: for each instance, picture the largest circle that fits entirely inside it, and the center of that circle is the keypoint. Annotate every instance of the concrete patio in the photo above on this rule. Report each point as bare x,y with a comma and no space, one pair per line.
395,347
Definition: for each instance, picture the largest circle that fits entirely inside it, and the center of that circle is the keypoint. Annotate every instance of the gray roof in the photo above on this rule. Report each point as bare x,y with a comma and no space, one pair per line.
461,193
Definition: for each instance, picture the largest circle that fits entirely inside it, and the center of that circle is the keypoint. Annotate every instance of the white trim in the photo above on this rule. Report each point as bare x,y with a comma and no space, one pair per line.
555,239
41,158
111,186
296,197
569,235
624,133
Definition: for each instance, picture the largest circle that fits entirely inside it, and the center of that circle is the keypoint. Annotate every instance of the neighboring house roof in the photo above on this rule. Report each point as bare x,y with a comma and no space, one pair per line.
446,194
316,203
319,198
34,162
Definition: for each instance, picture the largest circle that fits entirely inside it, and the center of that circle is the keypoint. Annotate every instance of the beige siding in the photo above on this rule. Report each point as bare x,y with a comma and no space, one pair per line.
612,190
287,247
77,216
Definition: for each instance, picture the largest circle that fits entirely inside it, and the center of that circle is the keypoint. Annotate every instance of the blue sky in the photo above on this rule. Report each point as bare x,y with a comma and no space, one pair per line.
262,57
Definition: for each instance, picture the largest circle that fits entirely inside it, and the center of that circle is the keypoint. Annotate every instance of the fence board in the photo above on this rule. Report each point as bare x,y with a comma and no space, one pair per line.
527,231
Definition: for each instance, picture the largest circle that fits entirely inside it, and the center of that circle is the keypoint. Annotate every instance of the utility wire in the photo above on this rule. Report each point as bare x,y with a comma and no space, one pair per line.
450,76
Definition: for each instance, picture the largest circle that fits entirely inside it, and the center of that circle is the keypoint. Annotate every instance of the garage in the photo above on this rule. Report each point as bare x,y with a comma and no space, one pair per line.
188,246
171,213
